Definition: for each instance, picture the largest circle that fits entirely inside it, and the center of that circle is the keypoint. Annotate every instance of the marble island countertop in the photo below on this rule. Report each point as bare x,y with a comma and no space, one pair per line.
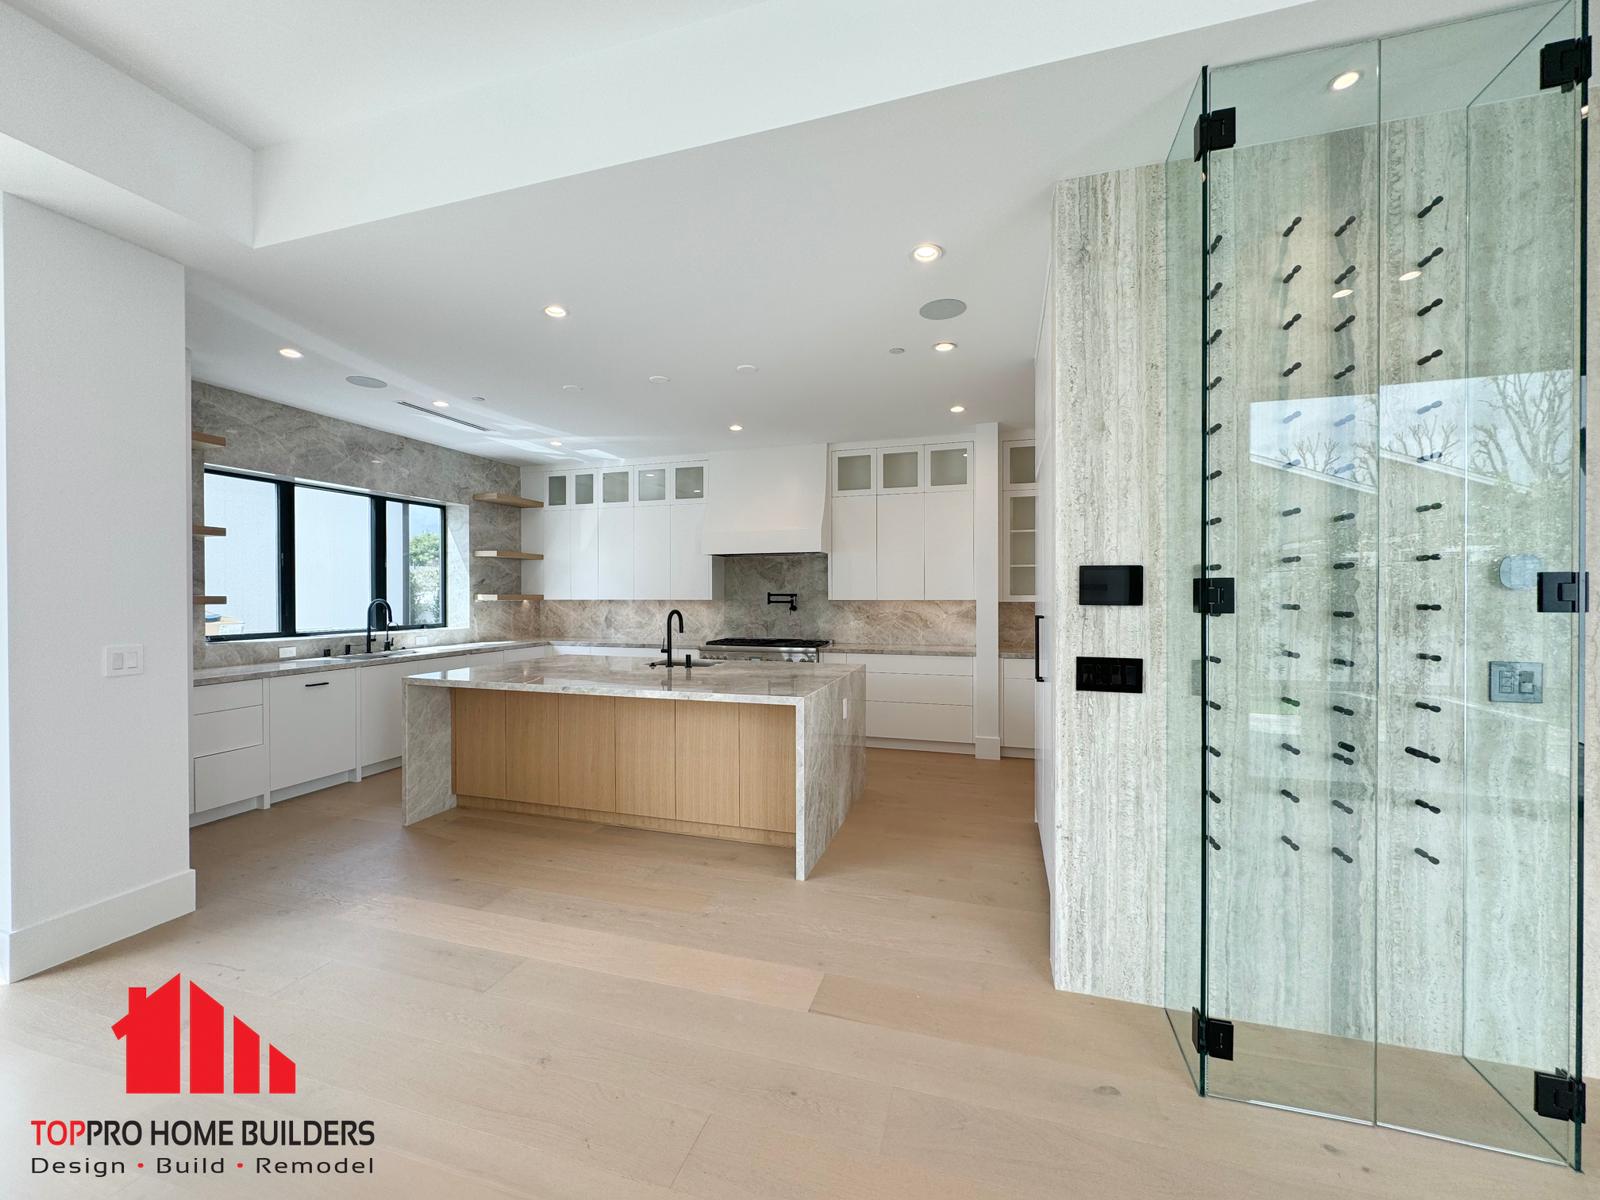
598,675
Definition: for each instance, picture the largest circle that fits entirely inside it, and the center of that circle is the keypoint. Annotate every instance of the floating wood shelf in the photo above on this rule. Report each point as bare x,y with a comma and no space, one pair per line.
210,599
505,596
507,498
507,554
210,531
208,439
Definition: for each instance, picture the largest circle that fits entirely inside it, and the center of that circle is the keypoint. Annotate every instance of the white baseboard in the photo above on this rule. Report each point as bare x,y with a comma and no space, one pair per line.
227,810
908,744
313,785
378,768
987,747
1016,752
47,944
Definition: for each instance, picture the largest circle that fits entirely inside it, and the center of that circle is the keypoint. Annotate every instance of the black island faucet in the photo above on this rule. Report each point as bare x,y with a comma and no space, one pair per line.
666,647
388,621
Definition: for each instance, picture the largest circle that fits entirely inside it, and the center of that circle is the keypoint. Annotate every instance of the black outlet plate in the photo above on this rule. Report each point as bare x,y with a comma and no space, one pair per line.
1110,674
1111,585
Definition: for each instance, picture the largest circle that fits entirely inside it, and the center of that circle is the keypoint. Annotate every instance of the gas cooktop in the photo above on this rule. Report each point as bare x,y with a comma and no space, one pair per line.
797,643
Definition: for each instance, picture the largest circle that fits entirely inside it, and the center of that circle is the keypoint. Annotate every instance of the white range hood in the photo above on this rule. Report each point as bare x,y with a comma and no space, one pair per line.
770,501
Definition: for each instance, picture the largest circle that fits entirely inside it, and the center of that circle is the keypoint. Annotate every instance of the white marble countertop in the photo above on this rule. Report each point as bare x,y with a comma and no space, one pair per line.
599,675
864,648
337,662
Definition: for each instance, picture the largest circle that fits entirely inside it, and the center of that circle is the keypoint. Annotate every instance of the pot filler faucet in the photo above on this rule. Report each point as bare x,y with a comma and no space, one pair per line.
388,620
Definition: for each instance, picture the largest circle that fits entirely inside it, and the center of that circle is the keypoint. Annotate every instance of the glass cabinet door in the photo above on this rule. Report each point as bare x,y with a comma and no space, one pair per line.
1020,545
651,485
1020,468
852,472
616,486
583,487
949,467
900,470
556,491
689,483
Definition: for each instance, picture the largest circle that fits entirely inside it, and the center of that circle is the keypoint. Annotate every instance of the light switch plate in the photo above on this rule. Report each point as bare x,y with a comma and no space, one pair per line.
1516,683
123,660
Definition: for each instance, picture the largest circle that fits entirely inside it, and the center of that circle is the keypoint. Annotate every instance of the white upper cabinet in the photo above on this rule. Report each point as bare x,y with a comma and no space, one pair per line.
1019,513
585,552
900,546
853,560
696,575
652,549
553,539
948,572
855,472
900,470
650,485
950,467
616,487
614,551
689,483
583,489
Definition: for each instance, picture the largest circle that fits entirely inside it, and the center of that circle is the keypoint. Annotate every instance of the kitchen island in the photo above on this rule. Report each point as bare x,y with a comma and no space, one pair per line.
772,753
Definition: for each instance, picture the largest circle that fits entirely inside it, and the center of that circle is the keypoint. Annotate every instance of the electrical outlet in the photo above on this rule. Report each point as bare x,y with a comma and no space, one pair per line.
124,660
285,651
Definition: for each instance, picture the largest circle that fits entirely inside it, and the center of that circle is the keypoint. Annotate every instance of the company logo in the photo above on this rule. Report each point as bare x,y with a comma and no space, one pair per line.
152,1033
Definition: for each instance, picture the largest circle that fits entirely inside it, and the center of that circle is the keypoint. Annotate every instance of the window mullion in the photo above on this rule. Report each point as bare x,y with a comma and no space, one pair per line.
286,612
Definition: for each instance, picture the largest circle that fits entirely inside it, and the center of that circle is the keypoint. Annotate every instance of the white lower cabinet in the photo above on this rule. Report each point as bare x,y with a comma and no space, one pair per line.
917,697
1016,704
652,552
313,727
227,744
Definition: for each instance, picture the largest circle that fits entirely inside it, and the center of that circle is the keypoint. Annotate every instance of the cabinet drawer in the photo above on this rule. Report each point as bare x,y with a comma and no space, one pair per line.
914,664
229,777
1016,713
919,722
920,689
312,721
214,697
229,729
1017,668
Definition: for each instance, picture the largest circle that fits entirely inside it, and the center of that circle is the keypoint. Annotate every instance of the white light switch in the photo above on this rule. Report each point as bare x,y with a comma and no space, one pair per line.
124,660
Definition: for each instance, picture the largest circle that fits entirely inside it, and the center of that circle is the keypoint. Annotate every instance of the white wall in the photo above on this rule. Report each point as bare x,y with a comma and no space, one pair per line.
94,416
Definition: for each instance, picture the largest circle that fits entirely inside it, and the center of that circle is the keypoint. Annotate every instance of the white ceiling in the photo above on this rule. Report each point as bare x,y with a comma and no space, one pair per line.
271,72
787,249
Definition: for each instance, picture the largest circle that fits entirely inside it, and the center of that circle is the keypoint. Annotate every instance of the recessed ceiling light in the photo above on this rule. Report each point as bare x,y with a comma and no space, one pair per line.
555,441
290,352
366,381
1343,292
571,387
441,404
942,310
944,347
1410,275
1347,80
958,408
660,379
747,368
897,349
735,428
554,310
926,252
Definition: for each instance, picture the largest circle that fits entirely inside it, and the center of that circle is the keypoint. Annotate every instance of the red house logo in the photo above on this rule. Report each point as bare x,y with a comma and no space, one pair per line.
152,1029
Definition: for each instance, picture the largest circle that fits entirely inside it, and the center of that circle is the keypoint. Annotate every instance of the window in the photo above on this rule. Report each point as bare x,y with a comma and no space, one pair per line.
299,559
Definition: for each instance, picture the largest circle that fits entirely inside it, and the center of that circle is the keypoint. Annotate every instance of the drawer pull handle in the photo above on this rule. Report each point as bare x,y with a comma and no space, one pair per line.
324,683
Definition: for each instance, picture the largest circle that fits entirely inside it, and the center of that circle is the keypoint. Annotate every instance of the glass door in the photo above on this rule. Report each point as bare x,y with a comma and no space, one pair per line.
1375,397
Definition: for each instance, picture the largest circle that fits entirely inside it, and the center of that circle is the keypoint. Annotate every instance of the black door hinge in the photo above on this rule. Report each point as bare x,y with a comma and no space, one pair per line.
1213,131
1564,64
1558,1096
1212,1036
1559,592
1213,596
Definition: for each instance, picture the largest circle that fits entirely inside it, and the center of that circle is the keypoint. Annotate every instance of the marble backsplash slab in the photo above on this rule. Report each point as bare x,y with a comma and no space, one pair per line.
1016,626
744,611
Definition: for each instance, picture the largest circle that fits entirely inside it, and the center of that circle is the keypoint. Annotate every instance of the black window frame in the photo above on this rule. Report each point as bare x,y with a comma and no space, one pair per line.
284,490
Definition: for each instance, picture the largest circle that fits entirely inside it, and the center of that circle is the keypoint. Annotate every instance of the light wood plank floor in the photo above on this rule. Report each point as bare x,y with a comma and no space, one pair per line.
539,1008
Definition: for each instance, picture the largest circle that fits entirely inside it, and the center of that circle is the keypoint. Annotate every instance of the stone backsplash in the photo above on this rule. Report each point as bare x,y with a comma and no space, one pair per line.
744,611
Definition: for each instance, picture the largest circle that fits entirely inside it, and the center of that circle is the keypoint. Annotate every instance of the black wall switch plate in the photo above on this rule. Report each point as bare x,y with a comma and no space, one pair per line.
1110,674
1110,585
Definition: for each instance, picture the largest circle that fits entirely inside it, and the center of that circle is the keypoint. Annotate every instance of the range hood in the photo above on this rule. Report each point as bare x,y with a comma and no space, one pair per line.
771,501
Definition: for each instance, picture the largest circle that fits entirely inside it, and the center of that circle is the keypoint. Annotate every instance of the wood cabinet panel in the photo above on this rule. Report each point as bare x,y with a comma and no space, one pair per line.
478,742
588,752
646,756
533,763
766,766
708,762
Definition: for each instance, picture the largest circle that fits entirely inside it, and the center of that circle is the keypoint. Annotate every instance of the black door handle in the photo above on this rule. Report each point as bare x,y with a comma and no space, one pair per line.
1037,677
324,683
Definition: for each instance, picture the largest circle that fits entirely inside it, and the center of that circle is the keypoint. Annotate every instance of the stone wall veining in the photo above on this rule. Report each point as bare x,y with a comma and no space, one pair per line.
1016,626
278,439
744,611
